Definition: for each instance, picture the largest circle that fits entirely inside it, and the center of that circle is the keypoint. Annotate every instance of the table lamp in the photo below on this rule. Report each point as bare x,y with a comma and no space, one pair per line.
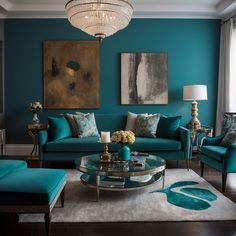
194,93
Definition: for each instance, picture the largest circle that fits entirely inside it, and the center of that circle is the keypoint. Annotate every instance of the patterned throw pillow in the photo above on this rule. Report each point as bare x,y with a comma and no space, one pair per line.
86,125
131,120
146,126
229,123
228,139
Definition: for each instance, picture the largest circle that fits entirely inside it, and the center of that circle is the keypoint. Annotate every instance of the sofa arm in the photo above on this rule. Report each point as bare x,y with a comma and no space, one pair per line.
42,140
230,159
184,136
214,141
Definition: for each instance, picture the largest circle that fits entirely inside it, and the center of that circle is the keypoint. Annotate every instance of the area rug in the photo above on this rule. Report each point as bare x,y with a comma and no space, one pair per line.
186,197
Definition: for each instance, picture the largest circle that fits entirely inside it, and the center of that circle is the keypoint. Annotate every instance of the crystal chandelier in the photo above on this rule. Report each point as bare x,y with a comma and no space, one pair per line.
99,18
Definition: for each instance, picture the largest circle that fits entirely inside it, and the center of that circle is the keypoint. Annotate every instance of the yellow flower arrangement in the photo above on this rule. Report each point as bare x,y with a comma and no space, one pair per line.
35,107
122,136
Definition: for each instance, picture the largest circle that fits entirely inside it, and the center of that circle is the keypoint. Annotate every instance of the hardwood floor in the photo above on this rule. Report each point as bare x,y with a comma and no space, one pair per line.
8,227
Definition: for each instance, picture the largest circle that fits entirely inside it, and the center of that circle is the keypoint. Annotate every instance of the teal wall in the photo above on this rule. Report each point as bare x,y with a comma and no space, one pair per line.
192,47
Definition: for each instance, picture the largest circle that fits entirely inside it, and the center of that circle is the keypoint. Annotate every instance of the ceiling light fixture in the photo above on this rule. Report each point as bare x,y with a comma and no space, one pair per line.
99,18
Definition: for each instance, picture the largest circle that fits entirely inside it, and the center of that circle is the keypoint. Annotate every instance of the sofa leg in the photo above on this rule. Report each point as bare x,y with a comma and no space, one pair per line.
47,218
224,179
63,197
202,169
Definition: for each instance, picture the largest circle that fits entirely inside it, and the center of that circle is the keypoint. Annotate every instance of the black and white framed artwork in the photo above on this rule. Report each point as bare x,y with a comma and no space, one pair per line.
144,78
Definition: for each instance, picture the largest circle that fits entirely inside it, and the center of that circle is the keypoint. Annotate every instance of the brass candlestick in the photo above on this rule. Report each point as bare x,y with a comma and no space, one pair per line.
105,156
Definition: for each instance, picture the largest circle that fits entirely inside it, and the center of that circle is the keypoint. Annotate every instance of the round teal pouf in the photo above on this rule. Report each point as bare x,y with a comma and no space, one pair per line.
124,152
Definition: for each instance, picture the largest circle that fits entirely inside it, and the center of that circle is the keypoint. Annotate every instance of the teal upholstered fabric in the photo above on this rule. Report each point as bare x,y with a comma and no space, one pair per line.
31,186
8,166
214,163
86,125
58,128
168,127
216,152
184,137
91,144
146,126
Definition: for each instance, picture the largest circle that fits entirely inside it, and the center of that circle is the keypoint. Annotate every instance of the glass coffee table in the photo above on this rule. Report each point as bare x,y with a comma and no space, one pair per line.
138,173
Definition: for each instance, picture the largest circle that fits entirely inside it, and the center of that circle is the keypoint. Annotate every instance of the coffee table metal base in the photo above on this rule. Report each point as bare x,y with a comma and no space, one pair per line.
94,181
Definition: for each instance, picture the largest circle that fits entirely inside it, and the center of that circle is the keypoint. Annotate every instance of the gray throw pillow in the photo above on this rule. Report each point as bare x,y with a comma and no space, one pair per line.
86,125
146,126
229,138
72,123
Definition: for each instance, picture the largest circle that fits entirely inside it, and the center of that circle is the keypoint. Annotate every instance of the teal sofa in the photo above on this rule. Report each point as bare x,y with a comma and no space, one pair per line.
72,148
30,190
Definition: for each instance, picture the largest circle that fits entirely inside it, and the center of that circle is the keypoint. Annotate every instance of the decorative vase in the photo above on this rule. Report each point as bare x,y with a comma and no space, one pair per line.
35,119
124,152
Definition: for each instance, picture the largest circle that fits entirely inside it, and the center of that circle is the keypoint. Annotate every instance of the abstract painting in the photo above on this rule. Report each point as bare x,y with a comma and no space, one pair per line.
71,74
144,78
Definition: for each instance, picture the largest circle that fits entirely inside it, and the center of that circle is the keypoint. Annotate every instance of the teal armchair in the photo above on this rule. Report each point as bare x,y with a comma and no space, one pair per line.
220,158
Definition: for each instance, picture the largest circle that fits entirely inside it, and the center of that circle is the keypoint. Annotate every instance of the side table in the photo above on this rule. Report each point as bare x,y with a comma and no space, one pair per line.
33,130
194,136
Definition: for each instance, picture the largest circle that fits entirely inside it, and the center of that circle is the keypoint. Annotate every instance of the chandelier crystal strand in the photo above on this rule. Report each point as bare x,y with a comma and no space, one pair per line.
99,18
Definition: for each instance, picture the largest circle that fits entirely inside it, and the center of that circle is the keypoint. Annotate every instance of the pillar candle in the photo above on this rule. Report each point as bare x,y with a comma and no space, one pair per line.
105,137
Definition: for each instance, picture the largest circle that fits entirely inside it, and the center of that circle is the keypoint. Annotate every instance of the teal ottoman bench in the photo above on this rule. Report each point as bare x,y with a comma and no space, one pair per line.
31,190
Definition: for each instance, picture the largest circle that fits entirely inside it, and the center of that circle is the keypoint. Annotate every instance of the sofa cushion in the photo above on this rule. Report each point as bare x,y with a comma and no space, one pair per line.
31,186
216,152
155,144
58,128
168,127
86,124
8,166
146,126
91,144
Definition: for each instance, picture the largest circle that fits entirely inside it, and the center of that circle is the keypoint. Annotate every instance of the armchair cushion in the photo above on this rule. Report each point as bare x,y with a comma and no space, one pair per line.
215,152
230,138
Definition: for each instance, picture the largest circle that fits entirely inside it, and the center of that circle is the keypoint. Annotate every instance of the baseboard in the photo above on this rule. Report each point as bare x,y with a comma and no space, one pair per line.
18,149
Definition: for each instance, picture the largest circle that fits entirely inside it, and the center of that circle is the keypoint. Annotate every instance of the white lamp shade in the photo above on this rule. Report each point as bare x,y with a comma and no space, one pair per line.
195,92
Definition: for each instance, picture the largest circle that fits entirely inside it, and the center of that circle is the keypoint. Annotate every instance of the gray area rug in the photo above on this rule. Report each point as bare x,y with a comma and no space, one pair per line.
140,205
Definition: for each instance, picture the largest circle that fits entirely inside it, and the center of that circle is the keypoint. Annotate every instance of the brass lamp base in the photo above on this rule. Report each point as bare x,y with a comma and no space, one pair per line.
194,122
105,157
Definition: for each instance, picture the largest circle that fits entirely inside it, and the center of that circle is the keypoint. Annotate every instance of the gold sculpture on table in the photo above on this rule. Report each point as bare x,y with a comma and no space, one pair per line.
105,156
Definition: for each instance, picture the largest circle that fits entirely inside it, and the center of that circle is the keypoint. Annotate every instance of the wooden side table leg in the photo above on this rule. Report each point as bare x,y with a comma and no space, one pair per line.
97,185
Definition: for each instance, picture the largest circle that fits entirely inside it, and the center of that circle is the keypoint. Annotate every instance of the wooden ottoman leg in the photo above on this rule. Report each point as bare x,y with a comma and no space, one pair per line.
62,197
224,178
202,169
47,218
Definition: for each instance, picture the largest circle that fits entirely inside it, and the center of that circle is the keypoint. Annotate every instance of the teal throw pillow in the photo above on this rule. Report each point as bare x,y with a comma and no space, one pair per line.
146,126
86,125
58,128
229,138
168,127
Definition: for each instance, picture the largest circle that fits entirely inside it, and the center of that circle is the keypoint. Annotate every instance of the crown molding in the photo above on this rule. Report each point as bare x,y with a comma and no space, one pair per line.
141,10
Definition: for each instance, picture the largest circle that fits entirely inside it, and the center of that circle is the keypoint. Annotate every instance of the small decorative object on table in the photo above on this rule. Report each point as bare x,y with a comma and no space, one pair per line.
105,139
35,107
124,139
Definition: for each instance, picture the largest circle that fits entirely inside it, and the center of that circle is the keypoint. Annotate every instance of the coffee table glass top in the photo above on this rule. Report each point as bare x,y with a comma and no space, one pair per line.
137,166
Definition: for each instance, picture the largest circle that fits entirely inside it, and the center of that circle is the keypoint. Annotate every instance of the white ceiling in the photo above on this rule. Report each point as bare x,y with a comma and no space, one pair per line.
210,9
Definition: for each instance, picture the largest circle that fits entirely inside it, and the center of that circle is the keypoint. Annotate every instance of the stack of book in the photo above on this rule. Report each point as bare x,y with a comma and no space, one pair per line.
112,182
